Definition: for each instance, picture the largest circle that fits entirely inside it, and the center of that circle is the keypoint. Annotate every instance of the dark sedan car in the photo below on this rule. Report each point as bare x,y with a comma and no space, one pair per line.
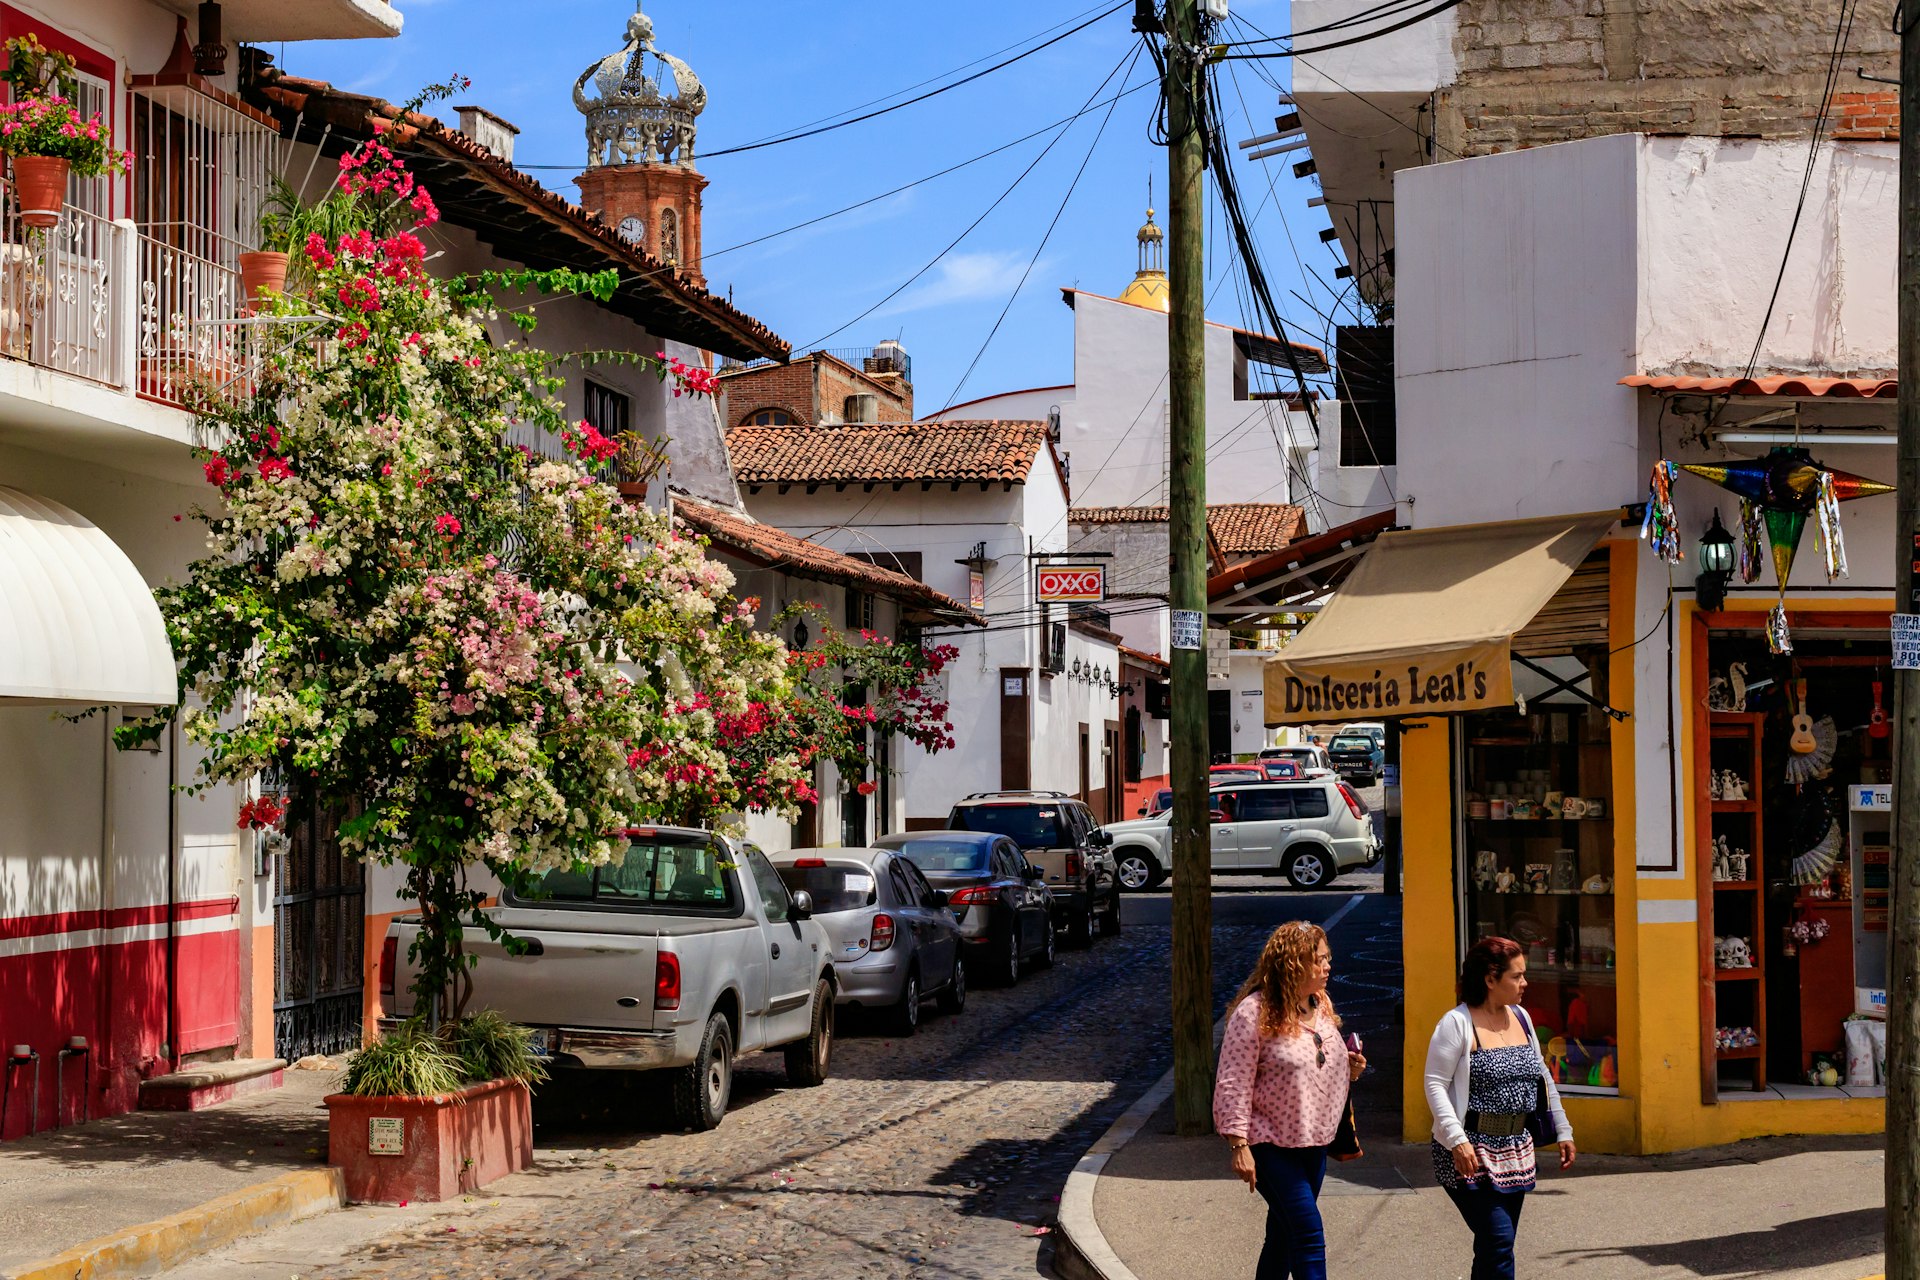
1004,908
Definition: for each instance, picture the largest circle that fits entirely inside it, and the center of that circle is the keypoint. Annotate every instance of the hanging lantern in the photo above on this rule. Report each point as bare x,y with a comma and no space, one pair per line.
1716,565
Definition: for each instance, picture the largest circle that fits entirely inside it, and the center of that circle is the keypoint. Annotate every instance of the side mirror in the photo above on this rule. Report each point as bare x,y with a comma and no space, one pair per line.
1100,838
1033,873
1143,811
937,899
802,905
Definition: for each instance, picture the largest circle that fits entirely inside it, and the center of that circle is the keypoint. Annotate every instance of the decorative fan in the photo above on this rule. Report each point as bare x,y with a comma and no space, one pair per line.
1814,831
1817,763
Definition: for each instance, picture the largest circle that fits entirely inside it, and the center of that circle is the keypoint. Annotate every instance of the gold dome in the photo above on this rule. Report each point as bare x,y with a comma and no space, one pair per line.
1150,290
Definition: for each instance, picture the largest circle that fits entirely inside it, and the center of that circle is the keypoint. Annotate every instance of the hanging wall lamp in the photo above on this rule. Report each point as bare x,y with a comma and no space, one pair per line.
1716,565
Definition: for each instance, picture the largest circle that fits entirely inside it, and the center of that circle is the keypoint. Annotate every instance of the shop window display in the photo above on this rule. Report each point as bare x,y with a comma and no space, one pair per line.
1792,857
1537,857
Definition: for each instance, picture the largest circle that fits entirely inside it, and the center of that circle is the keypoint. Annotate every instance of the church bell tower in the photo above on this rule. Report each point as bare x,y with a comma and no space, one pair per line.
641,124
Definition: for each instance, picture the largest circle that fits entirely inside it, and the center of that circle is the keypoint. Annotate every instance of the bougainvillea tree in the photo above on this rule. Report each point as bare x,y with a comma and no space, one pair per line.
490,655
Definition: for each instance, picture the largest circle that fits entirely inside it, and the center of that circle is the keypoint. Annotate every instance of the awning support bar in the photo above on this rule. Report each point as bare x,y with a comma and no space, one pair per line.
1559,684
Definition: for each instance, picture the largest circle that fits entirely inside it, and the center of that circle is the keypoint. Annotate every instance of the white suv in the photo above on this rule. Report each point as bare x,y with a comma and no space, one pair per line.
1312,831
1313,761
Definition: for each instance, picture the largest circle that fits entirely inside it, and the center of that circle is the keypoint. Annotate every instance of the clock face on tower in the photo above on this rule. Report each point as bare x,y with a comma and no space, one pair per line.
633,230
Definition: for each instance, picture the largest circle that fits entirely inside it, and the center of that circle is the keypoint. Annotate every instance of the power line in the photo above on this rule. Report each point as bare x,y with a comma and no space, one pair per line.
1041,247
1422,16
997,202
931,93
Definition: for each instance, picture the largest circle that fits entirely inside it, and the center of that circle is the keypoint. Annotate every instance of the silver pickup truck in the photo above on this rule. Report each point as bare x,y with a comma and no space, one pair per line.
677,958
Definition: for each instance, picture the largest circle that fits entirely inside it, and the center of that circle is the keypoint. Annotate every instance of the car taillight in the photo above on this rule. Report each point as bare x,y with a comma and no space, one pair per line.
882,932
389,962
809,862
1076,865
1353,801
978,896
666,980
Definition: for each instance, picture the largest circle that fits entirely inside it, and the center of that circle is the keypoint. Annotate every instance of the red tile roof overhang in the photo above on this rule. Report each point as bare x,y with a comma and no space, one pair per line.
1797,387
770,548
869,454
1295,575
513,214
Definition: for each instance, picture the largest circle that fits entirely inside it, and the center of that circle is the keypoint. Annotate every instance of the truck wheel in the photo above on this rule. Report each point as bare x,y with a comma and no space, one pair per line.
1110,919
1137,871
808,1060
954,999
904,1018
701,1090
1309,869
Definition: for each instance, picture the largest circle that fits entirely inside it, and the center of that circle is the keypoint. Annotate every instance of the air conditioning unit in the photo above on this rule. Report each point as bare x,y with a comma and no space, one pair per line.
864,407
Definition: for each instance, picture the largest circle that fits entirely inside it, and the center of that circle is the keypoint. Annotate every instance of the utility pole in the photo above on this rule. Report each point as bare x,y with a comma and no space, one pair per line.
1187,502
1903,987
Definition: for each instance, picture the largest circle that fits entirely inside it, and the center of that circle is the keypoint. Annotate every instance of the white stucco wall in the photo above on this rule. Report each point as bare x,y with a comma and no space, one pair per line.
1516,318
1416,59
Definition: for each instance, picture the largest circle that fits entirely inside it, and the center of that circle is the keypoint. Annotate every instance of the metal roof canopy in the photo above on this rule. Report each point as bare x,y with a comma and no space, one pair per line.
78,624
1292,577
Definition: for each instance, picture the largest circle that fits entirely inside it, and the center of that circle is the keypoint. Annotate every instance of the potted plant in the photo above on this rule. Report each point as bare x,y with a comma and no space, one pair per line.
287,226
426,1115
44,134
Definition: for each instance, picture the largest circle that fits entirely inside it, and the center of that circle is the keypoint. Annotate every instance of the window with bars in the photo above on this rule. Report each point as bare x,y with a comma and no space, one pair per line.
607,411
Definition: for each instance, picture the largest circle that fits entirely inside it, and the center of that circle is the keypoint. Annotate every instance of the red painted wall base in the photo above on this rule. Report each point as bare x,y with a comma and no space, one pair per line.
450,1144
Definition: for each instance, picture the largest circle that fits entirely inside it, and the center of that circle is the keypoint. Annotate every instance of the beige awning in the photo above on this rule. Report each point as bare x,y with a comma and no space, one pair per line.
1425,622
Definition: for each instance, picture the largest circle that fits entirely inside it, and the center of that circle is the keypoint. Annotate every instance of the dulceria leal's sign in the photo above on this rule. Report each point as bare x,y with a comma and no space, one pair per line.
1463,679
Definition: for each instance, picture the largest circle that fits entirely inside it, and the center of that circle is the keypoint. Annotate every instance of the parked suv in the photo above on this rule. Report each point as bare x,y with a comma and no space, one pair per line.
1357,757
1058,834
1312,760
1310,831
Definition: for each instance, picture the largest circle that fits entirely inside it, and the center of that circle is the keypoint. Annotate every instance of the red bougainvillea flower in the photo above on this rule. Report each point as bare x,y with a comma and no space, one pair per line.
447,526
866,788
261,813
274,468
219,471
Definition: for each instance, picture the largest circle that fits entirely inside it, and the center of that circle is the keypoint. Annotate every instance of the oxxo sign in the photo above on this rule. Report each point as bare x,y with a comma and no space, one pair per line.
1070,583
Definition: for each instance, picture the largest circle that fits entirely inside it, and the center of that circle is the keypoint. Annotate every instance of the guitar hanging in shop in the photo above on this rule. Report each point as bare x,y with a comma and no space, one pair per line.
1802,741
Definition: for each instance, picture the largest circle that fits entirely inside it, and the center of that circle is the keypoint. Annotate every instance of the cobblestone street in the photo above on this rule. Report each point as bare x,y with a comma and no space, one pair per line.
941,1155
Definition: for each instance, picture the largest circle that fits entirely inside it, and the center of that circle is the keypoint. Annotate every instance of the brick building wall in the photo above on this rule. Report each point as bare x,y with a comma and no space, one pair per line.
811,390
1539,71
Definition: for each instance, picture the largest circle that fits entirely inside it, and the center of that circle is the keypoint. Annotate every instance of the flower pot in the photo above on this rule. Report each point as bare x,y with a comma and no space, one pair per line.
391,1150
40,187
262,275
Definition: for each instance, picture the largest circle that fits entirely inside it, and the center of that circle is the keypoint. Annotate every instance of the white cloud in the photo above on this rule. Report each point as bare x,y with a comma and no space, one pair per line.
965,277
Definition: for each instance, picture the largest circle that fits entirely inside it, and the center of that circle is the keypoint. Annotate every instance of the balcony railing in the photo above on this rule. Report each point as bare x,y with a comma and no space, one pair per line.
101,300
57,293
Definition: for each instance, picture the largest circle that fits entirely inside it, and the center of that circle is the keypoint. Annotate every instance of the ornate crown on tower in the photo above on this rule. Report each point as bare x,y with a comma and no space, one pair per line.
629,119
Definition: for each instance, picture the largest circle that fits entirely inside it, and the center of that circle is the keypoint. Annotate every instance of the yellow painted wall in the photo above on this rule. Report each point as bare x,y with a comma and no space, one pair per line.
1656,963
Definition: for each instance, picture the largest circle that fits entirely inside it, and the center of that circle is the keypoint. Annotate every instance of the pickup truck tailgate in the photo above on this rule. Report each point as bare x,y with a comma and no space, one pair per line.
590,974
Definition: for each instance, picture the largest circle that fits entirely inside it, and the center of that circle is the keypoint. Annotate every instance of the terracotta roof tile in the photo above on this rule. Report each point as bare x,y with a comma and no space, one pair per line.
1254,528
1805,386
708,320
981,452
1117,515
731,532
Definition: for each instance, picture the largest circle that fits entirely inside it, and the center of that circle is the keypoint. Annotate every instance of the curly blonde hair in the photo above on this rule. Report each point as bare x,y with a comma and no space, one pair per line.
1280,976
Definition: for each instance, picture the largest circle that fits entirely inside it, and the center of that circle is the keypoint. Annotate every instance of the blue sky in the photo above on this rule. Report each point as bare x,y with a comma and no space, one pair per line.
773,67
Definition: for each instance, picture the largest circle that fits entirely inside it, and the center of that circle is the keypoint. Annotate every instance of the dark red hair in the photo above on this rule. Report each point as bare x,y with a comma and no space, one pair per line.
1487,958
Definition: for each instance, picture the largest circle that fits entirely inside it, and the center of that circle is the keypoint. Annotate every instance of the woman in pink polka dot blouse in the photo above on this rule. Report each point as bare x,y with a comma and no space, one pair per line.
1280,1092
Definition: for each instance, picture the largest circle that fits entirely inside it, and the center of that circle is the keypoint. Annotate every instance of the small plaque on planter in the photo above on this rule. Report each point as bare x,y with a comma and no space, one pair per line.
386,1135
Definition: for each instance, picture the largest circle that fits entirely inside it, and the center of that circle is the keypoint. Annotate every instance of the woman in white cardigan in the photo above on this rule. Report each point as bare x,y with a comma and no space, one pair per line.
1485,1077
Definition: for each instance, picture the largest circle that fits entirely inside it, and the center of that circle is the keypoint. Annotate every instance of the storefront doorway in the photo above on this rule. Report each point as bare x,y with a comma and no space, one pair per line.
1792,756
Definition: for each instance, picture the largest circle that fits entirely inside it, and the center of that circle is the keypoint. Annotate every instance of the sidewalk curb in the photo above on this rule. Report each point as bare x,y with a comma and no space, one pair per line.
154,1246
1081,1251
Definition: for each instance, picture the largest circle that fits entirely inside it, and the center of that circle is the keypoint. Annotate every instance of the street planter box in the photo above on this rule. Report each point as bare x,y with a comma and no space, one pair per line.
391,1150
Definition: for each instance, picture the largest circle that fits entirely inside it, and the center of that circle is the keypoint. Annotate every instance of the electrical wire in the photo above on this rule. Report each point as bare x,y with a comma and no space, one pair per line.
1041,247
919,98
1363,38
1126,62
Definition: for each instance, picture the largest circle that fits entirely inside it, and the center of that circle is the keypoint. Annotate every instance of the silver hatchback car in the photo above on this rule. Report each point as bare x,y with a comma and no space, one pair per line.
894,940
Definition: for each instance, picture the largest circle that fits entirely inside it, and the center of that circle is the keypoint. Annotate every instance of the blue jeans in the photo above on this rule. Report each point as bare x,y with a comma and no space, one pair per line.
1289,1180
1494,1217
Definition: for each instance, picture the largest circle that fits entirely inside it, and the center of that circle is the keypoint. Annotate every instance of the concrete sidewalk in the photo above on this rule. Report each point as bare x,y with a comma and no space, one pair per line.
1170,1209
191,1176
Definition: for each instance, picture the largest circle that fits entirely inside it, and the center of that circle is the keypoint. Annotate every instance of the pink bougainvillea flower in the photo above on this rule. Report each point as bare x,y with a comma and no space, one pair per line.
218,470
447,526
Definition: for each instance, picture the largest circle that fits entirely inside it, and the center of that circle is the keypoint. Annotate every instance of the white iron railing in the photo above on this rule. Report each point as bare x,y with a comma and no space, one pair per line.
190,343
58,293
